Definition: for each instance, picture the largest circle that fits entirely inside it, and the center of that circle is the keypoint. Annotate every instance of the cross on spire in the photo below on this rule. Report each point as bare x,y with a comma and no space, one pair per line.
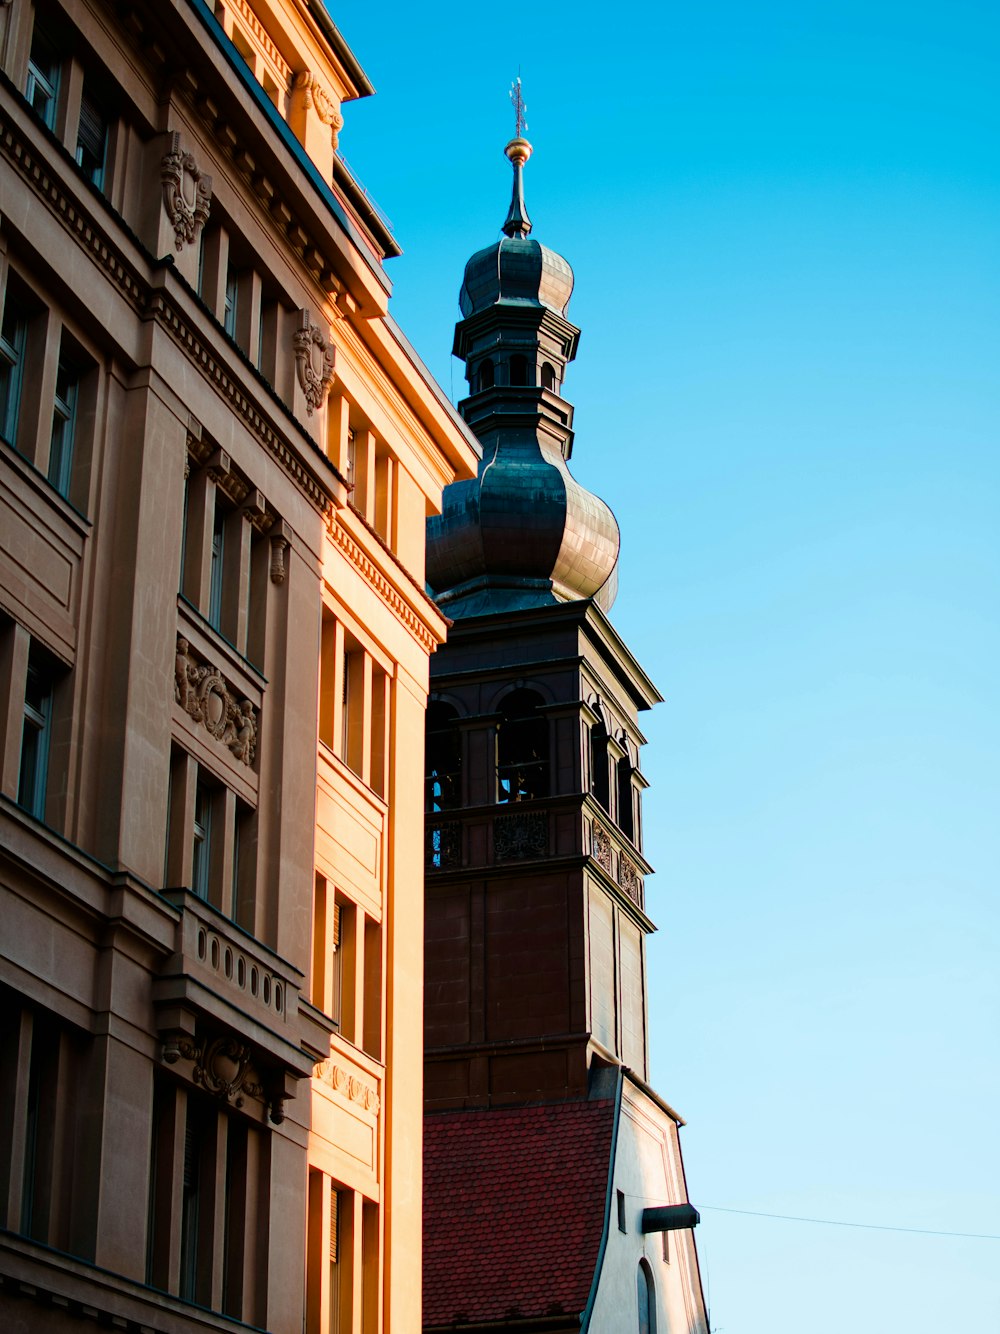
520,110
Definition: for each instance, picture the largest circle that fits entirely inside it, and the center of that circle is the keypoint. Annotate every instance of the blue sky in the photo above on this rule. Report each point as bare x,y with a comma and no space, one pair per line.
785,226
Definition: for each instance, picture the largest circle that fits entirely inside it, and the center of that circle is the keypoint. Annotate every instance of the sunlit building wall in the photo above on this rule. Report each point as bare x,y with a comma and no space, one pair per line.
218,456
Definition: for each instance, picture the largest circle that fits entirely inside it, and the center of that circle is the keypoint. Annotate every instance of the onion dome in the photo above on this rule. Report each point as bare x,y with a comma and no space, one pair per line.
524,532
516,269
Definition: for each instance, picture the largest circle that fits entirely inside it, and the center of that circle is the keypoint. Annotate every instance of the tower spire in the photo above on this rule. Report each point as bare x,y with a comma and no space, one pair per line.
518,151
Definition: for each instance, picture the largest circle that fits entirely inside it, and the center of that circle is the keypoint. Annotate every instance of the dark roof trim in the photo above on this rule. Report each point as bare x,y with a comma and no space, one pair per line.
588,1310
341,50
284,133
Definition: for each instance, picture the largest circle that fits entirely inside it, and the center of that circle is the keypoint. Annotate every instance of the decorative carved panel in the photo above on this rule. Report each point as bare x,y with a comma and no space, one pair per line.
342,1081
630,879
203,692
313,362
602,847
518,836
187,193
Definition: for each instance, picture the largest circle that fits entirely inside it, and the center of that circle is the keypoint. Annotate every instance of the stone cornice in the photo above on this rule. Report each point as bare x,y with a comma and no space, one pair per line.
417,625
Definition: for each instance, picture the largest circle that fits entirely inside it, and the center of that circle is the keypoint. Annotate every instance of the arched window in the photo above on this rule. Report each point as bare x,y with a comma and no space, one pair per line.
626,816
486,375
599,778
548,376
443,781
646,1296
519,370
522,748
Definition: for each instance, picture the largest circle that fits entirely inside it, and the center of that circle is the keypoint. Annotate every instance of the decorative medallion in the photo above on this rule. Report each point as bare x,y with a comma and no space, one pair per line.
203,693
187,193
313,362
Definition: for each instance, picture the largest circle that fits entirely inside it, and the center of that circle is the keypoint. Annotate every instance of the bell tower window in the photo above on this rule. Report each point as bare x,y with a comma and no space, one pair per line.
599,779
486,375
522,749
519,370
443,782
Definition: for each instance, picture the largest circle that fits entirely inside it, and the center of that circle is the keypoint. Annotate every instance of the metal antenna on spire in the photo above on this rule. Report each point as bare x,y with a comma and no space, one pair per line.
520,110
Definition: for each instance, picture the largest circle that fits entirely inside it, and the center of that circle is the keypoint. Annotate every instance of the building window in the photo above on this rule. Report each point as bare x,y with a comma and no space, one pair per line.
519,370
202,851
548,376
216,567
92,140
646,1297
599,778
42,88
230,304
443,778
13,334
486,375
63,428
620,1199
522,748
35,738
626,822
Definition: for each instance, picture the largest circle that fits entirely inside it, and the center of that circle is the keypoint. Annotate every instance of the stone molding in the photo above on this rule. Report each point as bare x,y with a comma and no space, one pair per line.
205,695
263,38
368,569
313,362
187,193
341,1081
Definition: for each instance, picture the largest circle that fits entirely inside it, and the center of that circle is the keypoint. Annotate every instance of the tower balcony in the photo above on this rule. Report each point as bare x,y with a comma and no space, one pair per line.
565,831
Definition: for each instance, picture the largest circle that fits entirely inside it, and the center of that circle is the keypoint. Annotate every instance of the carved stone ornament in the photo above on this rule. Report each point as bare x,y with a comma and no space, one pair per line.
203,692
630,879
336,1077
519,836
279,545
602,847
222,1067
313,362
187,193
316,97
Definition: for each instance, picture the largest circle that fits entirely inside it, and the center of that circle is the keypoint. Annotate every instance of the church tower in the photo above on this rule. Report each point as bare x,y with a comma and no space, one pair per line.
546,1152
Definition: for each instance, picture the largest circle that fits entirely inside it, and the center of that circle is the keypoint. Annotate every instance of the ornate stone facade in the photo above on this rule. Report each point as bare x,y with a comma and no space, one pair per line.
204,693
313,362
187,193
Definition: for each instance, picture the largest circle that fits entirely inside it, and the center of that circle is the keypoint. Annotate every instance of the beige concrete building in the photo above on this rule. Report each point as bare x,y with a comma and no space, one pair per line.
218,455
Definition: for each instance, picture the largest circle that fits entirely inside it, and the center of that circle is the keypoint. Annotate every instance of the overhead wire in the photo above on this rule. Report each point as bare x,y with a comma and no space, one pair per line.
837,1222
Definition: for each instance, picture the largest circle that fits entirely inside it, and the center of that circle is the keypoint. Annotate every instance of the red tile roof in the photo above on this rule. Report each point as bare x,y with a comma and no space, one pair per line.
514,1202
